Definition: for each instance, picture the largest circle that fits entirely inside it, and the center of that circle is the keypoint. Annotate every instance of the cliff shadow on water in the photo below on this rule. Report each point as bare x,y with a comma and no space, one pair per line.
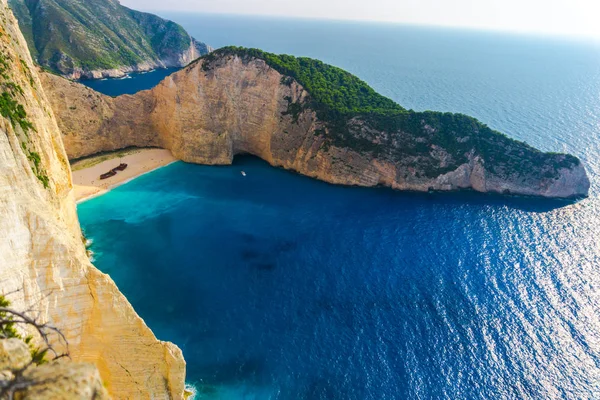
531,204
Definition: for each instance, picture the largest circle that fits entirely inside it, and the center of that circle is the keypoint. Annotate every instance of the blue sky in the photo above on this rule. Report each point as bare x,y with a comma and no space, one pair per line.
558,17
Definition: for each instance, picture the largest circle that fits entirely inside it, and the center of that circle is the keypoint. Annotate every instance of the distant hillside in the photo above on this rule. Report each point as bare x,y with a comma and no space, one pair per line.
101,38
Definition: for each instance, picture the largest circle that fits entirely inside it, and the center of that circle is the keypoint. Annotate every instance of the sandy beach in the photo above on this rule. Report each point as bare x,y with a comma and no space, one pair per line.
86,172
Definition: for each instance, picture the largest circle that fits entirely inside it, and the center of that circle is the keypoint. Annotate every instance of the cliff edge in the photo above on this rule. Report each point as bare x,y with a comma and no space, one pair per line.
43,261
306,116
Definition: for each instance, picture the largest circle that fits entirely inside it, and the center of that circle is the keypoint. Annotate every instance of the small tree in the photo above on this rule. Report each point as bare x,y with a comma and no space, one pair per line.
10,319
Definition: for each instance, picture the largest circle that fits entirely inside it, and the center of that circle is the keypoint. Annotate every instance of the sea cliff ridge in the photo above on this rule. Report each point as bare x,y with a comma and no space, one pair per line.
43,260
315,119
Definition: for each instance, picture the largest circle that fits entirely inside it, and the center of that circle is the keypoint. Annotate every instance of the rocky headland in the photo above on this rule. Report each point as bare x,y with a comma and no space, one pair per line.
241,101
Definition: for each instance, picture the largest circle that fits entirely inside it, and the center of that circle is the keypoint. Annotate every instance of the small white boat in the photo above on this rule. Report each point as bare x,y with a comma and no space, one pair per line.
243,173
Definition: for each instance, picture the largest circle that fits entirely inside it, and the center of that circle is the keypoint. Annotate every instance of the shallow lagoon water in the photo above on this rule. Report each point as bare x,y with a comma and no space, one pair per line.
277,286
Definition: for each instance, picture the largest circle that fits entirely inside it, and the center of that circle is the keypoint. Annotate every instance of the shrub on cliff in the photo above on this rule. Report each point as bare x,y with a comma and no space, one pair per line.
10,319
331,88
18,354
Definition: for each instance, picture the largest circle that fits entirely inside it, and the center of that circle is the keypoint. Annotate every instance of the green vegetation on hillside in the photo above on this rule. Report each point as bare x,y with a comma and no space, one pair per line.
9,331
346,104
331,88
11,109
459,134
64,35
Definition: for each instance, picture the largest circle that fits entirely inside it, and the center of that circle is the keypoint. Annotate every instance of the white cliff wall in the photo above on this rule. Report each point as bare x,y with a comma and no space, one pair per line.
41,250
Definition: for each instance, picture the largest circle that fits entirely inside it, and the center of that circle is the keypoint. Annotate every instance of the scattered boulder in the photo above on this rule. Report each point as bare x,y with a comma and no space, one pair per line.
14,355
57,380
65,381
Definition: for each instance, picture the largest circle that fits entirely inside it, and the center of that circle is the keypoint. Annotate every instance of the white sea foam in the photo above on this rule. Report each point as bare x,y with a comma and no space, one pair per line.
191,389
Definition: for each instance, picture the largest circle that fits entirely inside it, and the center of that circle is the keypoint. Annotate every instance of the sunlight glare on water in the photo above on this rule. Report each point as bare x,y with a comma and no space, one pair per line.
277,286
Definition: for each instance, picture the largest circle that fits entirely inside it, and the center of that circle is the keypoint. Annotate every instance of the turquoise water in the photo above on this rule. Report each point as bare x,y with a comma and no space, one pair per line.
277,286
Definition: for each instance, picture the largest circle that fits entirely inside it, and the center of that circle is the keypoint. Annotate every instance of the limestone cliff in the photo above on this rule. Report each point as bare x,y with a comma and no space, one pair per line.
41,248
228,104
65,381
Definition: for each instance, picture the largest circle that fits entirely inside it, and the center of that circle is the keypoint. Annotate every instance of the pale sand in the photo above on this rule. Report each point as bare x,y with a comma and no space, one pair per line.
87,182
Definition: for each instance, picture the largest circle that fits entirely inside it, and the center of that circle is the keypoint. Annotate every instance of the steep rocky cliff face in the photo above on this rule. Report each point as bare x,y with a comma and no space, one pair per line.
101,38
41,248
230,104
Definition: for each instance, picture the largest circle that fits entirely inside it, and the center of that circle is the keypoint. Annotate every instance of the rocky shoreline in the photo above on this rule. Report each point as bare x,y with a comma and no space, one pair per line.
195,51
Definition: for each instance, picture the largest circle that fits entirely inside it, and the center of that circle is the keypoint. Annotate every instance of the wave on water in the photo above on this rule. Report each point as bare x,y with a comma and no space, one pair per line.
190,392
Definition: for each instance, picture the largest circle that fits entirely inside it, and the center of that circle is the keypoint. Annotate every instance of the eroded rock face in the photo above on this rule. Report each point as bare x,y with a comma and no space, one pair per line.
65,381
43,261
208,114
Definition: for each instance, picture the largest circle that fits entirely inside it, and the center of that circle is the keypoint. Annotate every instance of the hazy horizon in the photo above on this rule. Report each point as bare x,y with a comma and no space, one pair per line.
550,17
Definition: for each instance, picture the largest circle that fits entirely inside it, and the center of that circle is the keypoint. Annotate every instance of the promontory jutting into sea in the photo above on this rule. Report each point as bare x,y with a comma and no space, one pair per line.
251,207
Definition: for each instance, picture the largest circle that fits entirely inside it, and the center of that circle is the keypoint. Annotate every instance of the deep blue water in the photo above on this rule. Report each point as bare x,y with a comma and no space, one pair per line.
277,286
135,82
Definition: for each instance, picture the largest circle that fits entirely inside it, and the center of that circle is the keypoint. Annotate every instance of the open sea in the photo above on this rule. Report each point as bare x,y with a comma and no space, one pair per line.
276,286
